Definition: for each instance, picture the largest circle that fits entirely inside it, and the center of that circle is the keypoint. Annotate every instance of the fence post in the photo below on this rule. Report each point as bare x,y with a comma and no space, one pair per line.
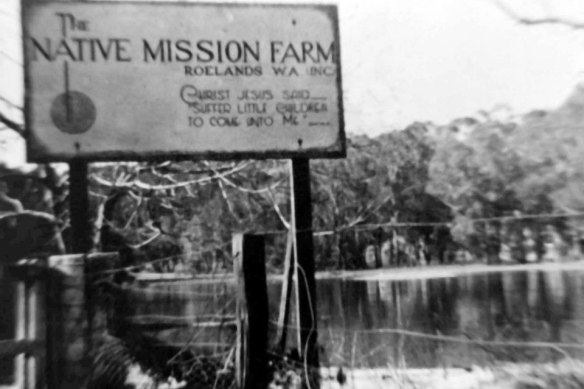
252,311
28,345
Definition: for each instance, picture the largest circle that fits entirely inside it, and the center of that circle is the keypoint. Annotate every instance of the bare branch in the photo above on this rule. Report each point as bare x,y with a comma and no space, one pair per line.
10,103
278,211
241,188
169,168
163,176
11,124
226,198
135,213
147,241
137,184
369,210
571,23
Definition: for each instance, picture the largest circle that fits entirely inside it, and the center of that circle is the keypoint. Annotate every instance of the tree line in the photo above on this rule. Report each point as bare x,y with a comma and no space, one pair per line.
425,182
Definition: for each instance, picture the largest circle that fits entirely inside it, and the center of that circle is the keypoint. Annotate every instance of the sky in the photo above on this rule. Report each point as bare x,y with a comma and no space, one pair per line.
420,60
439,60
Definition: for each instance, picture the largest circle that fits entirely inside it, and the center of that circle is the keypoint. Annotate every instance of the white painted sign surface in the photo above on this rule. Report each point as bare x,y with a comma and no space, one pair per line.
138,80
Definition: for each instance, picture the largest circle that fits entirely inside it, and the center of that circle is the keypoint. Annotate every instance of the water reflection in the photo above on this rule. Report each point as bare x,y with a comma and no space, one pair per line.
511,306
355,316
184,304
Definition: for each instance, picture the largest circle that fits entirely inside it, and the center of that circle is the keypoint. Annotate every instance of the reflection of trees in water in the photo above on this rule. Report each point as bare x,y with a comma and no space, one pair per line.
524,306
496,306
534,305
553,302
443,294
574,306
181,299
513,306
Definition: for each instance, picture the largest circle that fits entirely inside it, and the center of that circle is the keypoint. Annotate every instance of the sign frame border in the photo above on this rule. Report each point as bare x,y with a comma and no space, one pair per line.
36,154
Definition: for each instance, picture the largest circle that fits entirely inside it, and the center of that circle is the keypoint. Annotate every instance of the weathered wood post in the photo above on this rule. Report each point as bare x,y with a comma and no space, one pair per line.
287,285
306,284
33,328
27,348
81,233
252,311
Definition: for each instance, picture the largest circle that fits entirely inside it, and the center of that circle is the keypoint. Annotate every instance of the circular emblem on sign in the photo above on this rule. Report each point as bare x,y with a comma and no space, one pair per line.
73,112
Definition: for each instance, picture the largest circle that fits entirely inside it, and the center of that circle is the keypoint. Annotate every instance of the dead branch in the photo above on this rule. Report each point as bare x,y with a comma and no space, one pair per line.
11,104
562,21
278,211
226,198
223,178
11,124
137,184
169,168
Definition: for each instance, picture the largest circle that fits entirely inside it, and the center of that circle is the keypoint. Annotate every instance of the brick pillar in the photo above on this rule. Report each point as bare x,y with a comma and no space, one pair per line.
74,319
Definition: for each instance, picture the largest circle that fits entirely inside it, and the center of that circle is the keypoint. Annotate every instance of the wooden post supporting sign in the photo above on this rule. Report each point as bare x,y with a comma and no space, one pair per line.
303,248
79,207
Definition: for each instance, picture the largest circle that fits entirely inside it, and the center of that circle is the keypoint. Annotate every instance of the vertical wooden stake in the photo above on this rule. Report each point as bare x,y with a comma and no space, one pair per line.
252,311
79,207
20,360
379,242
287,281
303,248
31,293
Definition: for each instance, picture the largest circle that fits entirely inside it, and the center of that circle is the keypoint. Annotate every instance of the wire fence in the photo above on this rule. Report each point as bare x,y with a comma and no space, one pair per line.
183,331
395,224
376,356
196,319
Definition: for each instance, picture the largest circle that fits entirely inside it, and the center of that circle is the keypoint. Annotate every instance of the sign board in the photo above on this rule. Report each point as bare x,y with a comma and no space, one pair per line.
130,80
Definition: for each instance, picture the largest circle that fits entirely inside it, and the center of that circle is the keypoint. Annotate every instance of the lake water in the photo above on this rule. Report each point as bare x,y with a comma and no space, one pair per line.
445,321
528,306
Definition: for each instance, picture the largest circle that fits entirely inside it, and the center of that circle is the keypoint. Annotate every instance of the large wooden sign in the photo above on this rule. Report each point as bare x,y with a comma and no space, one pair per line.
129,80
